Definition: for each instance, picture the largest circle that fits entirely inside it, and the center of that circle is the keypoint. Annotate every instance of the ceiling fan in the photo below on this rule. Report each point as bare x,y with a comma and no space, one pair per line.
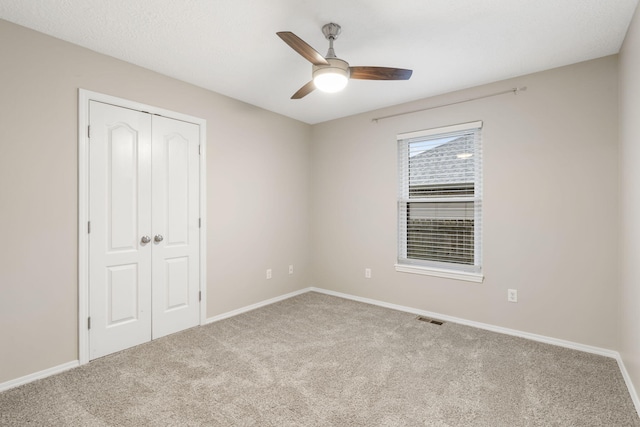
330,73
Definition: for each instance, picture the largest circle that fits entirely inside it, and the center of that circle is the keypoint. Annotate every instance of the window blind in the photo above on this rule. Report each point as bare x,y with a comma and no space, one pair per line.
440,197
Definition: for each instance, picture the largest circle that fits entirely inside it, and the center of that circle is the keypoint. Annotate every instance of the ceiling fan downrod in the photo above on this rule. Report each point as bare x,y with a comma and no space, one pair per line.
331,32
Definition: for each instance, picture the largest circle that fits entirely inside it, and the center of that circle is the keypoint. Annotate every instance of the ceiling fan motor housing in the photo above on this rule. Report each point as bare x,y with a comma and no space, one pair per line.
336,65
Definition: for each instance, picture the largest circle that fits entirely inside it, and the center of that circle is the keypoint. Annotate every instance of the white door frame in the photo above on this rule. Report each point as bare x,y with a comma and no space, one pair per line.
84,96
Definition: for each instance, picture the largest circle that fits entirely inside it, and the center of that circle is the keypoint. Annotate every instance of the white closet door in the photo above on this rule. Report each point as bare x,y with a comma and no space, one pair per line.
120,216
176,243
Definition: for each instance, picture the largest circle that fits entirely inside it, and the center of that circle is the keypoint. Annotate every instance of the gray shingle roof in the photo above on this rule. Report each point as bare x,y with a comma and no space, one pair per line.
441,164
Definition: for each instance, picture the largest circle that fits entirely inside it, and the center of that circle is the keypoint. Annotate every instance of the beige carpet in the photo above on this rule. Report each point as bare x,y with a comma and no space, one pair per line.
316,360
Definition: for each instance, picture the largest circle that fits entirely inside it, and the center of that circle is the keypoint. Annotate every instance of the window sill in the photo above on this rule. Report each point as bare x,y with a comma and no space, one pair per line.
439,272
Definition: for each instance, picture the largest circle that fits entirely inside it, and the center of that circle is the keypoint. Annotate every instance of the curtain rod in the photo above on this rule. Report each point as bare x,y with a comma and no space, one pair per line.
514,90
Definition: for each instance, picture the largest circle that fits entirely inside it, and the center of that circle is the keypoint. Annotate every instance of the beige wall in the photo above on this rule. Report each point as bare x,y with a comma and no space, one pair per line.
257,190
630,185
550,205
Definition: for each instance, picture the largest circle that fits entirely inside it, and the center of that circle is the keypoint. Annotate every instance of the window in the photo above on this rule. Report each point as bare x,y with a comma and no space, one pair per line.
440,202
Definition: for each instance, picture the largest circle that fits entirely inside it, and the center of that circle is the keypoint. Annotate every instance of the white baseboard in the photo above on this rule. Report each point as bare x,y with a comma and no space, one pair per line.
479,325
629,383
534,337
38,375
255,306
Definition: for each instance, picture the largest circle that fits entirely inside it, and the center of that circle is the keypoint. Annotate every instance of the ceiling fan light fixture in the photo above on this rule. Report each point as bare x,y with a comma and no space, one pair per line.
333,77
330,81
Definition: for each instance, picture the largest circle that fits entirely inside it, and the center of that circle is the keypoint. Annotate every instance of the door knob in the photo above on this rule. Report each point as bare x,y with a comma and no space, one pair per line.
145,240
158,238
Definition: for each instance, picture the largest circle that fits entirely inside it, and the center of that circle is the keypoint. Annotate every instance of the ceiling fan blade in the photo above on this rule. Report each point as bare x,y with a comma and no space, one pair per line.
379,73
300,46
304,90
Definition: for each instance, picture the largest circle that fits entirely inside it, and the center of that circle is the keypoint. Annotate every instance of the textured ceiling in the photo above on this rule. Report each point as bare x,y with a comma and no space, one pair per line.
230,46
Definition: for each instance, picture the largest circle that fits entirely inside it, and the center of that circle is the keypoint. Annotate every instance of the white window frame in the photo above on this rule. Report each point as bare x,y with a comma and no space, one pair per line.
431,268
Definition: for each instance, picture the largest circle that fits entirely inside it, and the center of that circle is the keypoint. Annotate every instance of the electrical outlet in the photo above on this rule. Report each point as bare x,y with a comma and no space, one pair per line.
512,295
291,269
269,273
367,273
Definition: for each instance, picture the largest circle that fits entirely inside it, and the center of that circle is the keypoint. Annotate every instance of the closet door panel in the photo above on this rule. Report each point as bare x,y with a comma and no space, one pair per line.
176,225
120,215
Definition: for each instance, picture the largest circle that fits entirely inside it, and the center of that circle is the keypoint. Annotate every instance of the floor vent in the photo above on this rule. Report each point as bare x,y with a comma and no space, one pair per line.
429,320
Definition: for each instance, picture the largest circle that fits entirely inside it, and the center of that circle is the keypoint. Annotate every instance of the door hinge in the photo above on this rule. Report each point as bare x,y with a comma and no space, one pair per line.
88,322
199,295
199,149
199,222
88,131
88,227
